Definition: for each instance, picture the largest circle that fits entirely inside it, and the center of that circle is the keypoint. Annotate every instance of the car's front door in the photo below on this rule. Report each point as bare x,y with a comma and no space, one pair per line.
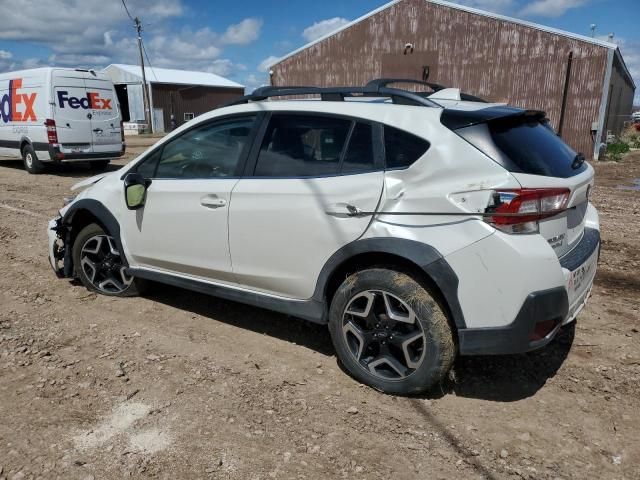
183,225
290,213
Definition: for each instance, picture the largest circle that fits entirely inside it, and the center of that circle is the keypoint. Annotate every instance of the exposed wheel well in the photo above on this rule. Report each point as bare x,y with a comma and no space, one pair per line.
368,260
23,144
81,219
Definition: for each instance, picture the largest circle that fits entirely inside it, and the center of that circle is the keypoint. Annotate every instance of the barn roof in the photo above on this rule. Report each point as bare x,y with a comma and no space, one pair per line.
537,26
122,73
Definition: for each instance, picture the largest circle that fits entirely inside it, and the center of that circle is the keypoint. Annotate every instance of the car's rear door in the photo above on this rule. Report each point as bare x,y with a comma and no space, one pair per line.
290,213
71,112
105,114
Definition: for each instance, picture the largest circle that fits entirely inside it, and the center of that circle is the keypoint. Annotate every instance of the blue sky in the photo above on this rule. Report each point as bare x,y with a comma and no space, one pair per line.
236,39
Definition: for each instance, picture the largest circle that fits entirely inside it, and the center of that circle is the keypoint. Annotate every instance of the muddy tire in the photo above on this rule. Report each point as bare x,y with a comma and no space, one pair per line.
390,333
30,160
100,266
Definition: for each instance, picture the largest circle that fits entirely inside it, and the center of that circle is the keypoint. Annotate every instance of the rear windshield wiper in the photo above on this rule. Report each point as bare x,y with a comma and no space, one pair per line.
578,161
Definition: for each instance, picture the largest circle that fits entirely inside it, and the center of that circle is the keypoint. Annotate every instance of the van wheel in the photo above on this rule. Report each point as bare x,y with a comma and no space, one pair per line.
100,266
390,333
99,165
30,159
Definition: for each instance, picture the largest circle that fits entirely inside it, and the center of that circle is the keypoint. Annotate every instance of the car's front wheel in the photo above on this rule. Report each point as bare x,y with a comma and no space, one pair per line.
390,333
99,264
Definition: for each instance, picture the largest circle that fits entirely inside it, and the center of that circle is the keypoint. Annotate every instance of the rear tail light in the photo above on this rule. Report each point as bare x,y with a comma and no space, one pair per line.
124,145
520,210
52,132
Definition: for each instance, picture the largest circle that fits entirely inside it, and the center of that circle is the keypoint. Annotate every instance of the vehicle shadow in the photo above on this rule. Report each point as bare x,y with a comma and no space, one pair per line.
71,170
266,322
507,378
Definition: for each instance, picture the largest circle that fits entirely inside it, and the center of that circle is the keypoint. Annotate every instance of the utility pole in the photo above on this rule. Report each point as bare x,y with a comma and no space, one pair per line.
145,91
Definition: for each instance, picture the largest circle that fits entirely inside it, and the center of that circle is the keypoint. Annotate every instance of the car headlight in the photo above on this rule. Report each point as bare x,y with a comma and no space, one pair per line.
68,200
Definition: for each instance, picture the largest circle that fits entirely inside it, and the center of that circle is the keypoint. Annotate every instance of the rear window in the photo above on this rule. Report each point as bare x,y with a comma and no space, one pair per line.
533,147
402,149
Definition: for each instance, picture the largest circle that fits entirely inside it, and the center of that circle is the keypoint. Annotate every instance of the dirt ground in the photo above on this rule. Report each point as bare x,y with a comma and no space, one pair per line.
180,385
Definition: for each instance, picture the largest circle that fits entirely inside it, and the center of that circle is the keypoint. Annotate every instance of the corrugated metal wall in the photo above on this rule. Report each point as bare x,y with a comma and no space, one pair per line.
620,101
494,59
181,99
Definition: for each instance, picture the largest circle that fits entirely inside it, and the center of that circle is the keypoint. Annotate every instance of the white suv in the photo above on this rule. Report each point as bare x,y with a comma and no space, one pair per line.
417,225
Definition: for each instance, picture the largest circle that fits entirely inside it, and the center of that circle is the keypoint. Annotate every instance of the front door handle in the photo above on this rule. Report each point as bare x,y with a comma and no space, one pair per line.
213,201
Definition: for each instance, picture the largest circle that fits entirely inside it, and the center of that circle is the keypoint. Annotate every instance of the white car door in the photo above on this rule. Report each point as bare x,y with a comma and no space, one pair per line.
283,225
182,228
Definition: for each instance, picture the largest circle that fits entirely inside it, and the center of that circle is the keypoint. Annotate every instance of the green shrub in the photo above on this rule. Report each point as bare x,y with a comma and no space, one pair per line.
616,150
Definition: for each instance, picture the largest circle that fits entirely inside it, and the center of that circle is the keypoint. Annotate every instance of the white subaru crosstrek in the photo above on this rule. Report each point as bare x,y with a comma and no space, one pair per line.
417,225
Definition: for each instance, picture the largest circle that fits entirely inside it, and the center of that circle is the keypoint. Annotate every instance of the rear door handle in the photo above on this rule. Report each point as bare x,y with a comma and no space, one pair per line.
98,130
344,210
213,201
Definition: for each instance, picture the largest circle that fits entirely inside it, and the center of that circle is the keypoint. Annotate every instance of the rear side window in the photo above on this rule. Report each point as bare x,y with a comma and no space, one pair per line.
359,157
534,148
402,149
302,146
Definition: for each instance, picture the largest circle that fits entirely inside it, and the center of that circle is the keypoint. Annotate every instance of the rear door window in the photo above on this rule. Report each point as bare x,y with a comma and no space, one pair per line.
359,157
402,148
534,148
302,146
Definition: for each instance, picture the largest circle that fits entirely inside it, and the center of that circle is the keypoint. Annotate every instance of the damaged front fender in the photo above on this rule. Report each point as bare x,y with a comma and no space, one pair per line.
59,253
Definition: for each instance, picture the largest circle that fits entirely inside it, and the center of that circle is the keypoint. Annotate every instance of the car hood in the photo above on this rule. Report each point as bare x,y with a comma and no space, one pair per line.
89,181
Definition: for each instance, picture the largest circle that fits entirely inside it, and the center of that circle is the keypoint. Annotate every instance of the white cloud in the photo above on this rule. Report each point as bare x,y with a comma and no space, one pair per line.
224,67
253,81
496,6
267,62
322,28
5,55
94,33
243,33
551,8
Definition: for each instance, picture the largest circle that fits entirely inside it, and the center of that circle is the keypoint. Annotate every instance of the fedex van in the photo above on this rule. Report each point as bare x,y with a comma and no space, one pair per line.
59,115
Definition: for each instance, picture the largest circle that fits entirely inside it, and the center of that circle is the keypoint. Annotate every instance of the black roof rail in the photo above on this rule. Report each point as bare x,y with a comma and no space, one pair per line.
383,82
398,96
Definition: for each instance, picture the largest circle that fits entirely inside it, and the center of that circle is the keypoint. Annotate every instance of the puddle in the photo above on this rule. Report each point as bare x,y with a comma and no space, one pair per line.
634,186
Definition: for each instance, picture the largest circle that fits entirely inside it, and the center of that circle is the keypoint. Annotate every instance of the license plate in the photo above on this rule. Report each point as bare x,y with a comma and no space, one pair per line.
582,276
76,149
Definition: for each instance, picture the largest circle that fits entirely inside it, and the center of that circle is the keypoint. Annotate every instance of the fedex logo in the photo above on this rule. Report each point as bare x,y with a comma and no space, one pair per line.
16,106
91,101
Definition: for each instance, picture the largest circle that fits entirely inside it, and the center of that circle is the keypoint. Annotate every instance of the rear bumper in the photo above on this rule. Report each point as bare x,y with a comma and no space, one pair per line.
56,155
543,313
546,306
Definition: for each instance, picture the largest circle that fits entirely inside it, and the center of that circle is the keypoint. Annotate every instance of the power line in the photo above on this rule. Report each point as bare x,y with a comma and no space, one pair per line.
127,10
144,49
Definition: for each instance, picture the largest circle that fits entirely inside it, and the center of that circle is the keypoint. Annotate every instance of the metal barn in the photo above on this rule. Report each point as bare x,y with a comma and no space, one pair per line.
582,83
180,94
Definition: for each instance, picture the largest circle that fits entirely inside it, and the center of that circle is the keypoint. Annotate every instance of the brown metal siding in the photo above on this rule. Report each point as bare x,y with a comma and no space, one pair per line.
181,99
621,94
495,59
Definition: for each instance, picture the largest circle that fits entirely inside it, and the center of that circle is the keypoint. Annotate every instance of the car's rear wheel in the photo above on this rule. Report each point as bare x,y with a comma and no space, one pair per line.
100,265
390,333
30,160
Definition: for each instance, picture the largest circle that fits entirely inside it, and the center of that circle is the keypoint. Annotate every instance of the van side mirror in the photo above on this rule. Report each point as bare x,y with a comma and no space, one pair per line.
135,190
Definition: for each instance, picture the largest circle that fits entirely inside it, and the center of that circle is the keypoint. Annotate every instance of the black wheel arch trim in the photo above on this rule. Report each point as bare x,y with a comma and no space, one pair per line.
103,215
424,256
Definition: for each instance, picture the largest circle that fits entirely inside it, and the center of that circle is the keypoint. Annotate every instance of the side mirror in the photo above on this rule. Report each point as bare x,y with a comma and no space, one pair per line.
135,190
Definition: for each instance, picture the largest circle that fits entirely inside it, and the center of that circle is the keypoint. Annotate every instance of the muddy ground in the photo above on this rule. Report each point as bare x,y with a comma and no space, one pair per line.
179,385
